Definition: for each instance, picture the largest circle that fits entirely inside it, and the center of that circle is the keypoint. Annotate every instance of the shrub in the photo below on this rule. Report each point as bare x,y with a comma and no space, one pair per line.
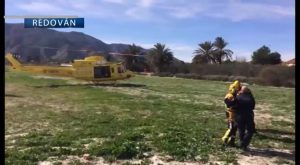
230,69
188,75
277,76
216,77
163,74
240,78
269,76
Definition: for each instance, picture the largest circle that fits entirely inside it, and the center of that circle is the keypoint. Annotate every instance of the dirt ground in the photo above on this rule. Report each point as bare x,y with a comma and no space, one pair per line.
254,157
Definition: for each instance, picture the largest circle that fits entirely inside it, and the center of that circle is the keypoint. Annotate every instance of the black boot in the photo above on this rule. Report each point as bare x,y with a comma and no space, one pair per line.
255,131
244,147
231,142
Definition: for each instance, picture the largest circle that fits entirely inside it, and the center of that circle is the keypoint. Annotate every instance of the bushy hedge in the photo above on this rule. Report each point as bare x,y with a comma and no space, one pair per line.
277,76
274,75
236,69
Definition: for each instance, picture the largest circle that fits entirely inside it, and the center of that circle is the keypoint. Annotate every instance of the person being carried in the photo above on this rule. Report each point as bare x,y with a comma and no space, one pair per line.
245,117
231,103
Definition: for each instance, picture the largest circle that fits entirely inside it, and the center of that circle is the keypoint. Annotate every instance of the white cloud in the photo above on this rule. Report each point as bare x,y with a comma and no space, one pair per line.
184,12
284,11
141,10
146,3
114,1
41,7
239,11
233,10
151,10
80,6
138,13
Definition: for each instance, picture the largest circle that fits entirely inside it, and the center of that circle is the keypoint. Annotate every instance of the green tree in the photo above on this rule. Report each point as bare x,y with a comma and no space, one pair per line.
264,56
160,57
274,58
204,54
220,53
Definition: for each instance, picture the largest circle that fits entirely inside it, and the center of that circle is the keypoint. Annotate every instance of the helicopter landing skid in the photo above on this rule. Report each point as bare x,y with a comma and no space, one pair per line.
114,83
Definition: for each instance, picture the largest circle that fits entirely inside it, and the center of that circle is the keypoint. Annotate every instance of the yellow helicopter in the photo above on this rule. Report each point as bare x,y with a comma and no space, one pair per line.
93,68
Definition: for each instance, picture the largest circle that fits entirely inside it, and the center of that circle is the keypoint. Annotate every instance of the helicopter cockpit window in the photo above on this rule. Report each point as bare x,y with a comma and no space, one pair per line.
119,70
102,72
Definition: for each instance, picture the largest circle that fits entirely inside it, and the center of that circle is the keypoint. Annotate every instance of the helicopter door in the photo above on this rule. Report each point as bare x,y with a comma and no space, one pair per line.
102,72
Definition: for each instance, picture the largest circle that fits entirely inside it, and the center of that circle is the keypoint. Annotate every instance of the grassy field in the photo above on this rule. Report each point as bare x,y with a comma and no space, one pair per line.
60,120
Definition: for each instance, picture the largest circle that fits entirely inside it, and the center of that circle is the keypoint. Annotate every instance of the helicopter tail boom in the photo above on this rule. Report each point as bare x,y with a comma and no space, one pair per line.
13,61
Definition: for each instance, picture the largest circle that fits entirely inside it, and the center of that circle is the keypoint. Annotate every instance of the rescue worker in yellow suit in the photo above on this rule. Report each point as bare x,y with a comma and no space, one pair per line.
231,103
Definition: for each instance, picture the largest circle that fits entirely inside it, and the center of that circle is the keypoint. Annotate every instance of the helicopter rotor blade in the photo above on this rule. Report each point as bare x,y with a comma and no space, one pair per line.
124,54
83,50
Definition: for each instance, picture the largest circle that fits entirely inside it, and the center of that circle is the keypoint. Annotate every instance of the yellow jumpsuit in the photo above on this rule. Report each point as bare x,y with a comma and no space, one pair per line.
229,136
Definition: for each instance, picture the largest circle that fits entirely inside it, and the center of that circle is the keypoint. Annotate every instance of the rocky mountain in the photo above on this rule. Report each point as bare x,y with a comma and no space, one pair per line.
46,45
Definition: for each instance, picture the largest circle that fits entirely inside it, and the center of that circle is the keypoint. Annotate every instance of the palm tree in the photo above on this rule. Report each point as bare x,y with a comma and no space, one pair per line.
204,54
220,52
198,59
131,60
160,56
133,49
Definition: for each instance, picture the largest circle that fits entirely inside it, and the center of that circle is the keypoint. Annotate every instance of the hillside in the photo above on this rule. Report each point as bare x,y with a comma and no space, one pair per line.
50,46
28,43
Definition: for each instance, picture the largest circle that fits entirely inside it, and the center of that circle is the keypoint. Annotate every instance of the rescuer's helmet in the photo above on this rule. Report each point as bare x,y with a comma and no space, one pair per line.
237,85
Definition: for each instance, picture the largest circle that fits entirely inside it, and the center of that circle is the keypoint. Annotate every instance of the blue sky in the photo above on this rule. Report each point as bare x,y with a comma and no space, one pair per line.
180,24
